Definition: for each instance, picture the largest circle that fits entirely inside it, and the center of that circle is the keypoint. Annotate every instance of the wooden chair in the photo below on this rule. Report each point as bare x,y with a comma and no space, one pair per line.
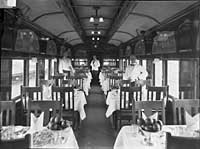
136,93
157,93
179,142
5,93
125,83
114,81
77,81
50,108
7,113
58,79
46,82
67,83
66,96
21,143
186,92
125,111
30,93
192,106
149,108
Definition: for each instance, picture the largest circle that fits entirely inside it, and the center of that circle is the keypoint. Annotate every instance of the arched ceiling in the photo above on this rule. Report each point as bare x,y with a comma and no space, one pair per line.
69,19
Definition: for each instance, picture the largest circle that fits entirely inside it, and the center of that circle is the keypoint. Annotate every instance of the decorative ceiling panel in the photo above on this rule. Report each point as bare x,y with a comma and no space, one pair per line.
55,23
121,36
162,10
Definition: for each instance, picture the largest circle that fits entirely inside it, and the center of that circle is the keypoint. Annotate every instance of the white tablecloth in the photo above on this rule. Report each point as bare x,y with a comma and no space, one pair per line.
79,103
70,142
113,102
86,83
104,82
64,139
126,139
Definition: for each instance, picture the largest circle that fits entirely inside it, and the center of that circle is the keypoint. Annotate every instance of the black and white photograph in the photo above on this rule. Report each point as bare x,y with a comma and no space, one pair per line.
100,74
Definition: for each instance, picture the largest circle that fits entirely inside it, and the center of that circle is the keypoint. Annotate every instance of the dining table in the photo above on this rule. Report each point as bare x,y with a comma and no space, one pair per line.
86,83
104,82
43,138
133,137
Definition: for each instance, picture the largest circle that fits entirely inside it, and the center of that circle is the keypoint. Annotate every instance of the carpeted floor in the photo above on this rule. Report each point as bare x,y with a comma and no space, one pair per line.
96,131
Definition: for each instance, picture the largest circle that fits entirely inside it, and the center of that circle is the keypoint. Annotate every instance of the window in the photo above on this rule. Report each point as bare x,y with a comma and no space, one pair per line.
32,72
173,77
80,62
144,64
109,62
158,73
17,77
46,69
53,66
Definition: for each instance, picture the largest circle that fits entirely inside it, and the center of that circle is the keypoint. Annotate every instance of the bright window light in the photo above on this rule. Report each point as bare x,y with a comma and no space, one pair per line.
173,77
91,19
101,19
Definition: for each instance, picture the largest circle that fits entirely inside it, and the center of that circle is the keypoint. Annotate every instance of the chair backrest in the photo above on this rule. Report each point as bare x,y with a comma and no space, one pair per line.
46,82
136,93
21,143
179,142
192,106
65,95
125,100
30,93
114,81
157,93
67,83
186,92
50,108
5,93
150,107
76,80
7,113
58,79
125,83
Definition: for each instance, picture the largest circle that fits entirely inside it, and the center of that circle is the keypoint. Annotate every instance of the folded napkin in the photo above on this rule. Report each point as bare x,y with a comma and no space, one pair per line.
153,116
192,122
36,122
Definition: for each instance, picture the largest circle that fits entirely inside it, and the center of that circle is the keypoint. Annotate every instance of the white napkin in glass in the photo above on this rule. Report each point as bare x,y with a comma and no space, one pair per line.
192,122
153,116
36,122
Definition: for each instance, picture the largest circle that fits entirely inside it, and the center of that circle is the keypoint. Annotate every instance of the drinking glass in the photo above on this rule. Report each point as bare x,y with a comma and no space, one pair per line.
148,139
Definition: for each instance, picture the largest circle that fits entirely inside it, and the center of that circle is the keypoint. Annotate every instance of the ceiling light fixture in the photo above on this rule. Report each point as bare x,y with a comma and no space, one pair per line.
96,17
91,19
93,38
99,32
101,19
92,32
98,38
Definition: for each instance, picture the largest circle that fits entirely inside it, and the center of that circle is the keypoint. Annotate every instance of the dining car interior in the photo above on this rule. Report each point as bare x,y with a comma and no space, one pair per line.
100,74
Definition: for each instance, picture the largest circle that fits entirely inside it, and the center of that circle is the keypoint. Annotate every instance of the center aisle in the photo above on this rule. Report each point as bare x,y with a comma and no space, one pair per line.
96,131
